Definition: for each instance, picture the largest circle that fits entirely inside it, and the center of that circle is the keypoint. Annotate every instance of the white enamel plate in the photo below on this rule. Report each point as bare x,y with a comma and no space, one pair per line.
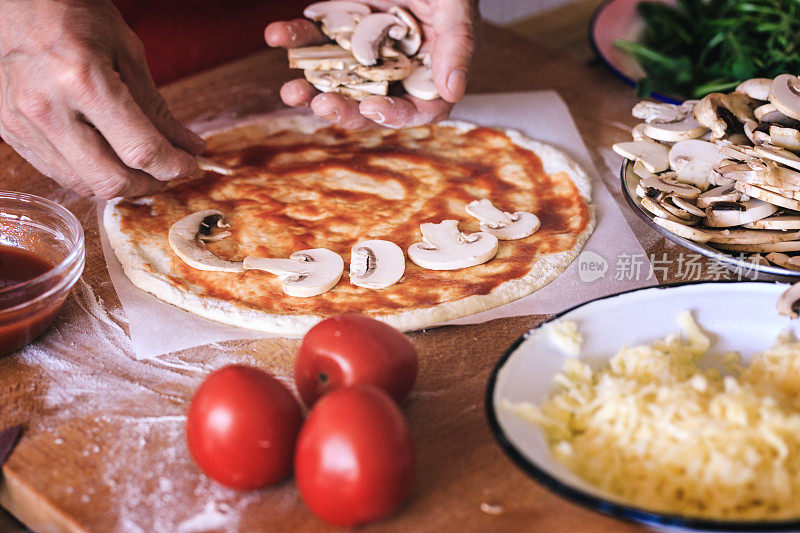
739,316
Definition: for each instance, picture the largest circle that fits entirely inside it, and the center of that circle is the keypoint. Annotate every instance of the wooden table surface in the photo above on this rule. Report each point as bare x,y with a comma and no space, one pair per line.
104,449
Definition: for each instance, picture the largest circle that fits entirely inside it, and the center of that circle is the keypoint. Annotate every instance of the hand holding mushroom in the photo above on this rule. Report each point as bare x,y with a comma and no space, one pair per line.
424,47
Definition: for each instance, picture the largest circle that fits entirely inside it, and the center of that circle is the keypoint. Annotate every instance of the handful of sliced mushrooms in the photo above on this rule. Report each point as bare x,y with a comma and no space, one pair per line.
725,171
371,50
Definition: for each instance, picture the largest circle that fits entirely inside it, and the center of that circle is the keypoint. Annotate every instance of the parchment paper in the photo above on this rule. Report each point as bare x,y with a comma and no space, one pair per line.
612,260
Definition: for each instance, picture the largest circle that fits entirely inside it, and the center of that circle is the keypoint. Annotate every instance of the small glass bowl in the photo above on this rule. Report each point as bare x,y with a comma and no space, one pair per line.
52,233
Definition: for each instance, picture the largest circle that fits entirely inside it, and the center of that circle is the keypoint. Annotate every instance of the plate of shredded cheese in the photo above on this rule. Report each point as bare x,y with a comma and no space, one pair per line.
676,406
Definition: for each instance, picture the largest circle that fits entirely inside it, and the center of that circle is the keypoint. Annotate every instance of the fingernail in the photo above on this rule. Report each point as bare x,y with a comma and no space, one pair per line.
375,116
457,83
333,116
292,32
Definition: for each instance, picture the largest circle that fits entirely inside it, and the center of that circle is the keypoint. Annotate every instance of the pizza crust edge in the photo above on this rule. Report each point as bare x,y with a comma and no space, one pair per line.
544,271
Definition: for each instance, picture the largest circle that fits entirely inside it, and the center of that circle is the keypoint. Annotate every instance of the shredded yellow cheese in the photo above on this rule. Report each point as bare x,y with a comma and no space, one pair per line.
565,335
664,433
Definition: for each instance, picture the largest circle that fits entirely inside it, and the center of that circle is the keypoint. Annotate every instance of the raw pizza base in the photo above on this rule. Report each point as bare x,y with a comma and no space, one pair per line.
152,272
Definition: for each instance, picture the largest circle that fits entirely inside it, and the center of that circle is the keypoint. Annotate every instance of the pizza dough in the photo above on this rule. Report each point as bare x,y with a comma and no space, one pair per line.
302,184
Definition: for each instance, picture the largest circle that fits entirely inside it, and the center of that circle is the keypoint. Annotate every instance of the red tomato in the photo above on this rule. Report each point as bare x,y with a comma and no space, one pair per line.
242,426
354,461
351,349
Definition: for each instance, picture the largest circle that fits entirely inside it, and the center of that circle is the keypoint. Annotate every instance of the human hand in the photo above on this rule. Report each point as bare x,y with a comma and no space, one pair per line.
78,102
449,34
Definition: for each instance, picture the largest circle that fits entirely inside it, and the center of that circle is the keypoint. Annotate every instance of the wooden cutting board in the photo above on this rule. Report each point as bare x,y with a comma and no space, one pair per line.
104,448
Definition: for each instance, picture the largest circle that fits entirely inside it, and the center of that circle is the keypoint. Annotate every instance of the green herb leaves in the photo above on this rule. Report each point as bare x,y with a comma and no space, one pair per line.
697,47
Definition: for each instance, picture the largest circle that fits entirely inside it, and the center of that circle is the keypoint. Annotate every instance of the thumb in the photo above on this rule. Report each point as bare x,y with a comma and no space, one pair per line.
453,46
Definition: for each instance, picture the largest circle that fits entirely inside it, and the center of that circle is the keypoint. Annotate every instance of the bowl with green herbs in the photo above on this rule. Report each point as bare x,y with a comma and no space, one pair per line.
685,49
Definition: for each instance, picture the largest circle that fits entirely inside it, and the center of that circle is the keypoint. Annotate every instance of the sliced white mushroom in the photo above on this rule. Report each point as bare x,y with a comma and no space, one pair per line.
187,238
778,176
306,273
784,94
419,83
787,303
503,225
344,39
779,155
371,87
654,112
444,247
331,79
716,179
654,156
667,122
682,230
749,130
783,137
351,92
336,16
638,132
370,33
769,113
783,191
758,134
393,68
778,222
750,236
671,186
756,88
640,170
411,43
737,171
723,193
724,114
768,196
727,214
758,259
324,57
764,110
687,128
654,206
785,246
687,206
693,160
668,203
783,260
376,264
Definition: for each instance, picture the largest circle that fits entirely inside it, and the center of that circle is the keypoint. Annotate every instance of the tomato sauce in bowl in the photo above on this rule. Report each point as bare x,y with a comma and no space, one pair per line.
41,258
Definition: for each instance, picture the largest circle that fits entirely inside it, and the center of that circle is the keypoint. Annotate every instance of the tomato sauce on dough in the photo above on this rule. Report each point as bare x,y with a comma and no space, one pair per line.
331,189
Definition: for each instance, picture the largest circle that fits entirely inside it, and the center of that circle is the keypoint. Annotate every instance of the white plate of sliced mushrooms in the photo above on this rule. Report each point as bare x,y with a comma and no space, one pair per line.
371,52
721,175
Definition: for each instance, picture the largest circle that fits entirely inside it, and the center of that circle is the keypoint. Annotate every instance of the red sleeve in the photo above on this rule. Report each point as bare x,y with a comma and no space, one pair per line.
182,37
